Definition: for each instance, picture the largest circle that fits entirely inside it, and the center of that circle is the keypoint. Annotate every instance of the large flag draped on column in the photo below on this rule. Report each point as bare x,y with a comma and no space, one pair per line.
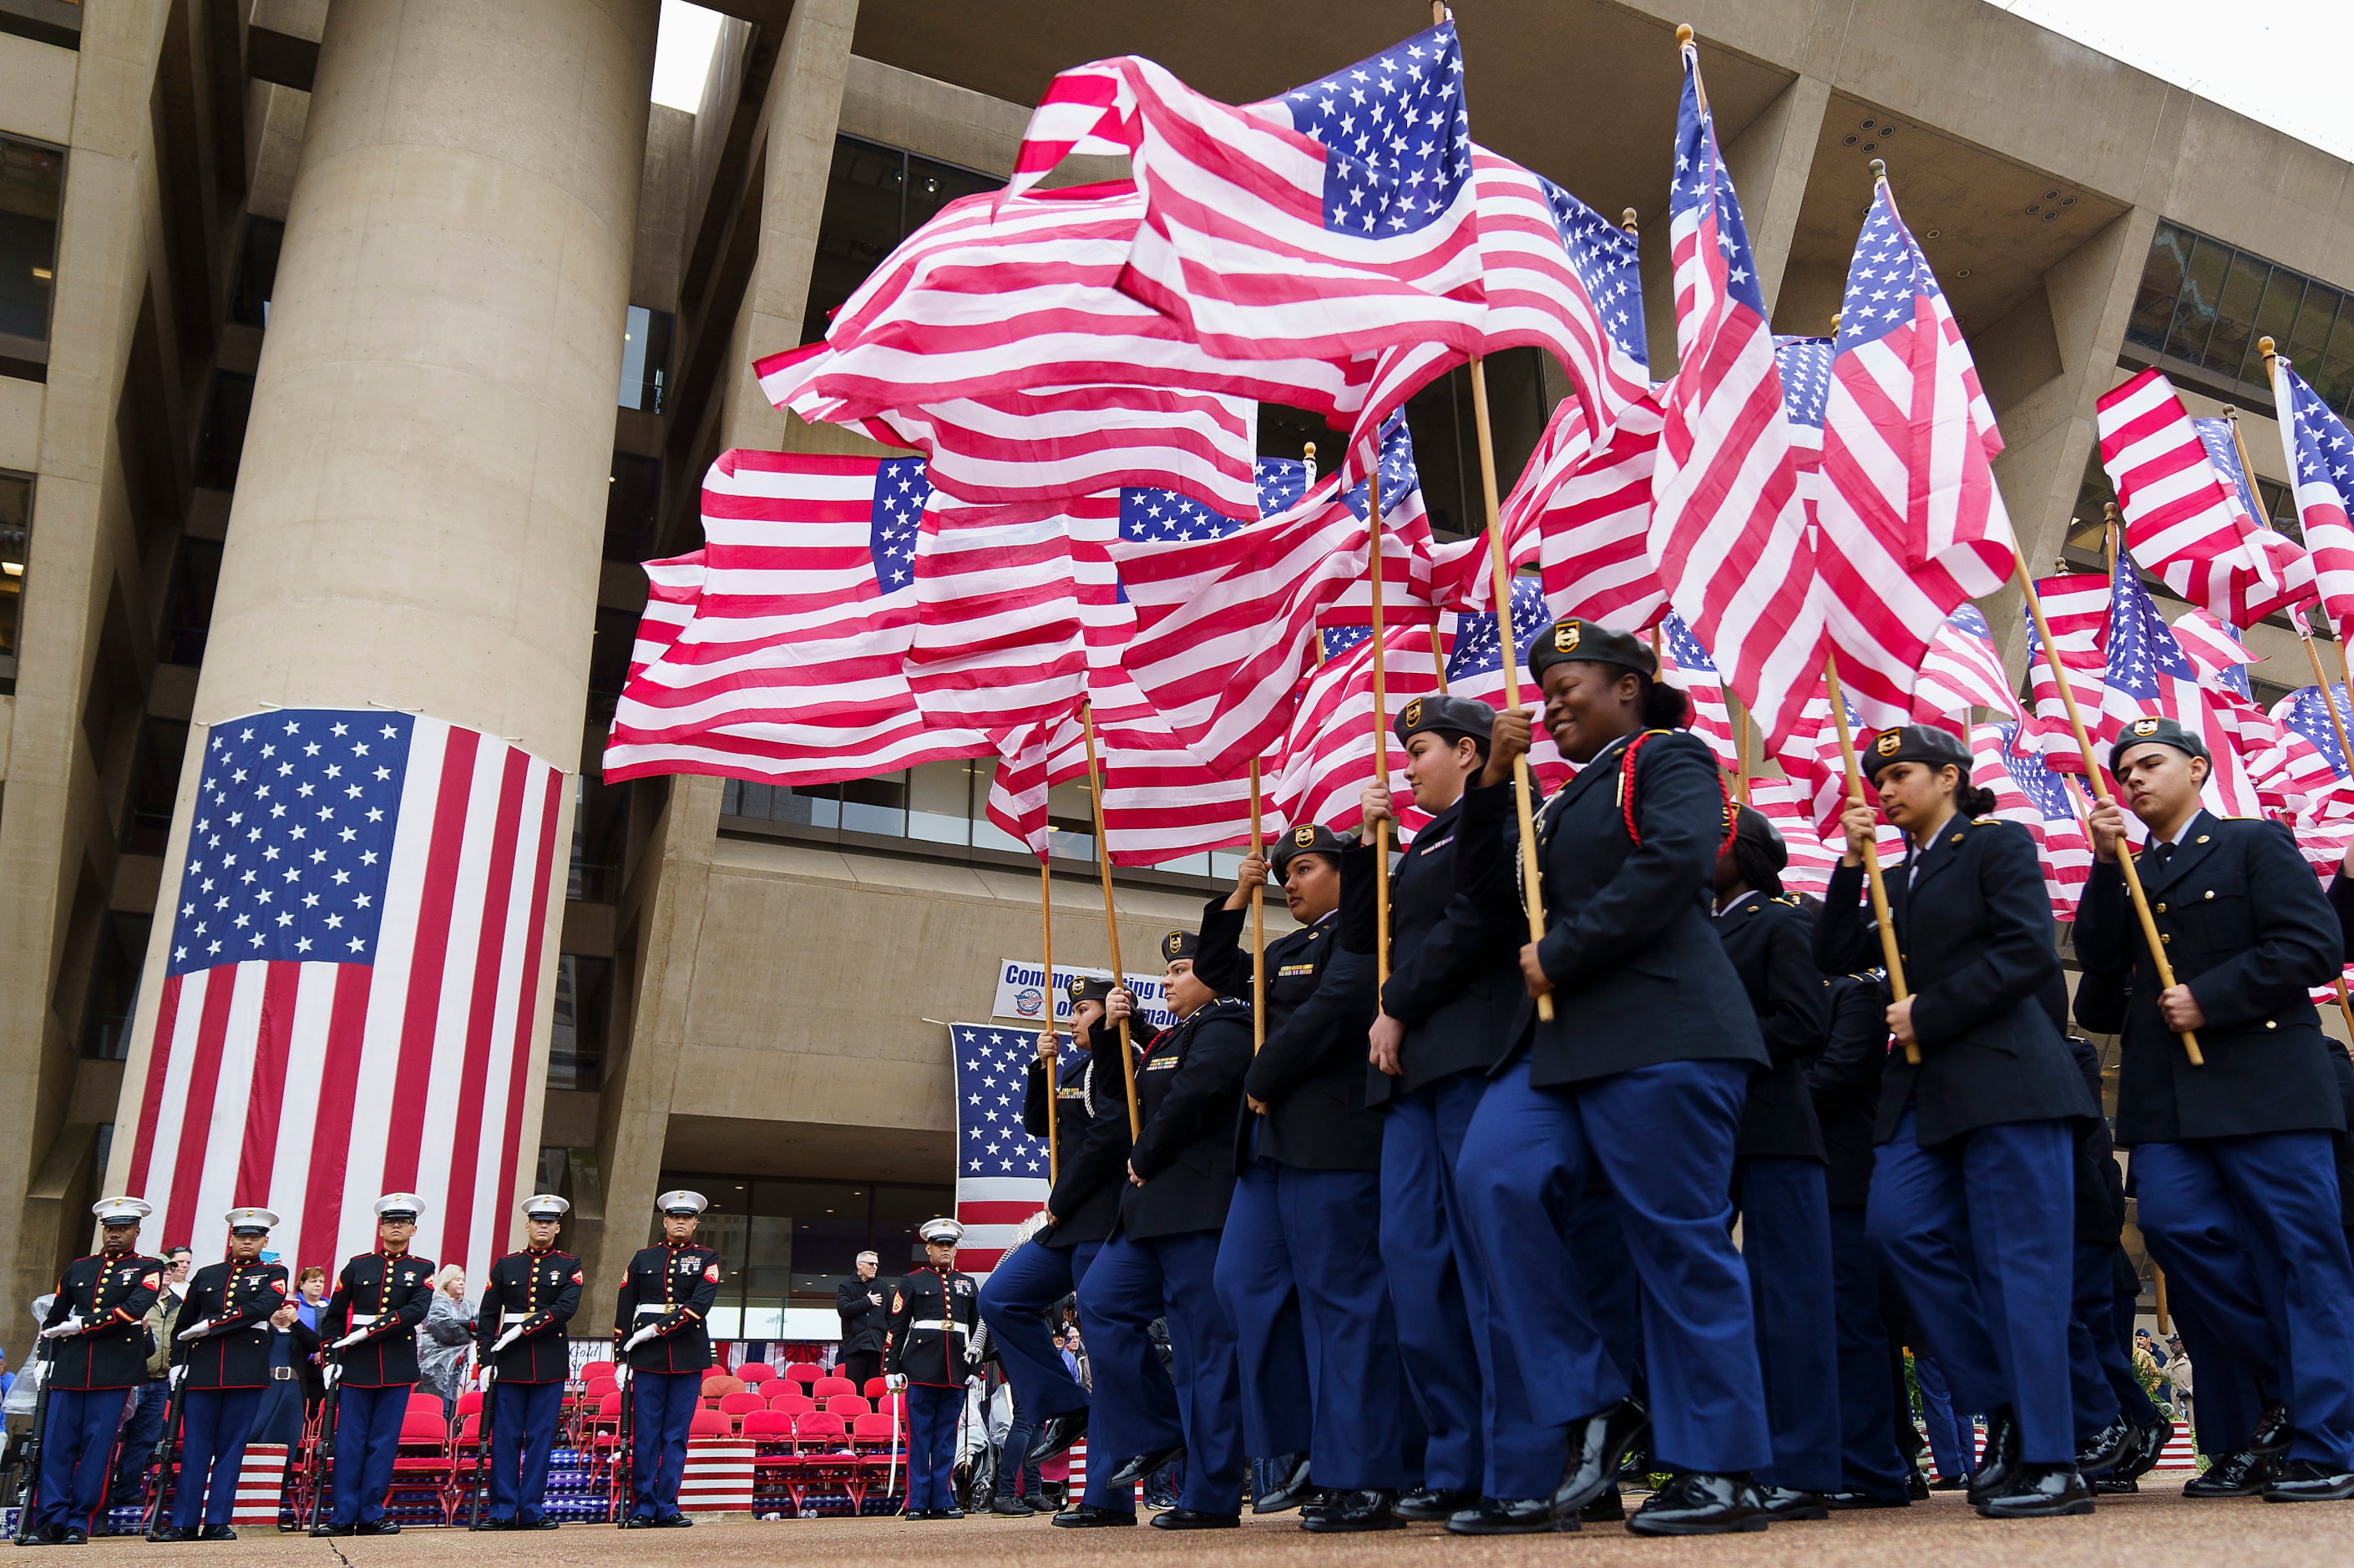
351,984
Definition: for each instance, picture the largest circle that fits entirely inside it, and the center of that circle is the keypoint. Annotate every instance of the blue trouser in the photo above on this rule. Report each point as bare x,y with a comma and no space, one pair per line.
1663,1138
2272,1200
214,1425
1868,1459
1786,1245
1614,1291
368,1440
77,1452
2100,1372
1311,1237
135,1451
1013,1463
523,1435
932,1412
661,1409
1013,1301
2225,1415
1131,1283
2113,1347
1981,1235
1483,1436
1952,1439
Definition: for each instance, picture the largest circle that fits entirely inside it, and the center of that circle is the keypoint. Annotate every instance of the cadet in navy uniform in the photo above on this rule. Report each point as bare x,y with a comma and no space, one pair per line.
96,1343
1971,1191
1778,1171
934,1312
658,1334
1161,1256
220,1359
2233,1161
1453,989
1643,1070
1300,1269
1090,1169
519,1325
369,1325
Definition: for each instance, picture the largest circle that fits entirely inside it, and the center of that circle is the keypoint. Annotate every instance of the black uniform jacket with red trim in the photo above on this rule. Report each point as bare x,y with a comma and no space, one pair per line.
386,1296
538,1291
234,1302
933,1314
111,1294
671,1288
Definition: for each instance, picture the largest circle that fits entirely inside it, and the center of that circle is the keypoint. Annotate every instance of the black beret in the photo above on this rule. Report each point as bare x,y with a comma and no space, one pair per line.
2156,732
1753,826
1180,945
1442,714
1570,638
1087,988
1310,838
1921,743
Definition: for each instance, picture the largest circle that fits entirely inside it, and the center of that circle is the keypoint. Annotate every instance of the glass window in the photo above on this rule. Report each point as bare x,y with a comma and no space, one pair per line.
2235,312
2194,312
608,659
874,198
2283,295
2161,281
115,985
940,801
2308,340
2332,375
576,1036
632,504
32,180
645,359
257,271
16,542
221,440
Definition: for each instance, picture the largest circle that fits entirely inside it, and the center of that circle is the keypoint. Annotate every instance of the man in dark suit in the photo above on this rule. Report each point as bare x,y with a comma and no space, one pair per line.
864,1304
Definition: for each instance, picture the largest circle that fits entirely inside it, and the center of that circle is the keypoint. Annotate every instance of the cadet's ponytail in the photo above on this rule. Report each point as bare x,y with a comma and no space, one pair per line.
1973,802
1663,706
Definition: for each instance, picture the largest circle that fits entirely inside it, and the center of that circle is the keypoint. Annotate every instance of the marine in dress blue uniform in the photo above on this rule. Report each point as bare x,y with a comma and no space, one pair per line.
96,1346
220,1361
1778,1171
934,1311
1452,991
1972,1185
1091,1143
1300,1269
369,1327
528,1300
2233,1160
1161,1257
659,1334
1642,1070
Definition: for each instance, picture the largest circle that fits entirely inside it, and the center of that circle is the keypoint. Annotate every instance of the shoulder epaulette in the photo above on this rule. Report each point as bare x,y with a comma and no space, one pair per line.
1981,822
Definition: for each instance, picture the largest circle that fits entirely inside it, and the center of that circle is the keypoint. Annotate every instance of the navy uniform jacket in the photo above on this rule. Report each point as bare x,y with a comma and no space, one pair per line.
1974,926
1771,945
673,1288
1188,1090
2248,929
1311,1071
1455,978
539,1290
933,1316
387,1297
1638,975
1090,1139
1845,1084
236,1300
111,1294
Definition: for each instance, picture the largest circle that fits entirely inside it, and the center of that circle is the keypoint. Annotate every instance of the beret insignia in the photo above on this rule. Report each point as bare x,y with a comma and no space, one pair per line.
1887,744
1304,836
1565,637
1413,714
2145,726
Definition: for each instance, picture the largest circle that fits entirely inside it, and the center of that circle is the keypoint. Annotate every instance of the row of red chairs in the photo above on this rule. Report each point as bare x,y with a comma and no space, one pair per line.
751,1373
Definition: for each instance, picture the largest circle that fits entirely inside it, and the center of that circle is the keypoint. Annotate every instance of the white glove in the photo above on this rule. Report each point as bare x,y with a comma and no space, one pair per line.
178,1375
895,1381
639,1338
509,1338
196,1330
353,1337
72,1325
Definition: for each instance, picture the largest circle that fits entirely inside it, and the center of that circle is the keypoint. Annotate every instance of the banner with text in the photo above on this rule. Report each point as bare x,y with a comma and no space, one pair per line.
1020,995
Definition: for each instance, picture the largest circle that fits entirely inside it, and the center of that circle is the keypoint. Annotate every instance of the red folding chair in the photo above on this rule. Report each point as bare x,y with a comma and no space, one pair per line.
469,1402
804,1371
849,1406
877,1387
755,1373
770,1432
463,1464
736,1407
792,1402
421,1466
827,1387
821,1448
710,1424
875,1439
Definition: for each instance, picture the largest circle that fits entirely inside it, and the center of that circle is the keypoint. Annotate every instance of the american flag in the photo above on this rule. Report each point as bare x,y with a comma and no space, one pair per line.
1462,576
1594,521
1407,547
1806,366
1002,1170
1684,662
2312,770
2147,672
1913,525
351,984
1475,668
1331,222
1809,755
2321,458
1960,672
791,668
673,587
1000,640
2028,793
2184,522
1328,750
1728,532
1812,859
2077,607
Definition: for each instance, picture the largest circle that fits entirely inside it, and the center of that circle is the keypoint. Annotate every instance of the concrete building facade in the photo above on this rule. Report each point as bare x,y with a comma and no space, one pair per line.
360,350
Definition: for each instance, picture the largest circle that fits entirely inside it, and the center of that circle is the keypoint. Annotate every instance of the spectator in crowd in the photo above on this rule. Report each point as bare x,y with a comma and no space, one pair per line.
279,1418
7,1378
136,1452
865,1304
302,1336
446,1337
1067,1346
2147,1343
311,1294
2177,1372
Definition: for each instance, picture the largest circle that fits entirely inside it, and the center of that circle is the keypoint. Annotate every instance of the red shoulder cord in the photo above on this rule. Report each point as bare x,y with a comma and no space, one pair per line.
1626,793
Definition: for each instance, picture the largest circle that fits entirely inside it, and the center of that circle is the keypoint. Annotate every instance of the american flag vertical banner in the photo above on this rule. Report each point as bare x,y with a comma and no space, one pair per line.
1002,1170
354,977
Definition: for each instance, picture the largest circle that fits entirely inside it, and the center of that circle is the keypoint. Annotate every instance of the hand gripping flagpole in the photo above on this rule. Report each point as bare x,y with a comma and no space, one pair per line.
2100,791
1111,917
1889,955
1053,1062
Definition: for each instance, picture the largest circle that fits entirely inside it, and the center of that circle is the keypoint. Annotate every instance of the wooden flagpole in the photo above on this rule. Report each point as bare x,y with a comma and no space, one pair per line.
1054,1067
1111,916
1889,955
1307,457
1258,925
1381,733
1740,716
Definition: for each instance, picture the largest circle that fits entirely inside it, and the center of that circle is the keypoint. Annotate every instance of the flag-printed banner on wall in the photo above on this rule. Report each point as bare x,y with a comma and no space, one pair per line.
1001,1174
353,980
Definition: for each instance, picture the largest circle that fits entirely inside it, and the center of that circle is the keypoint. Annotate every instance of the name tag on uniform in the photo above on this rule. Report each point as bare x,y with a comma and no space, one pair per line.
1157,1064
1290,969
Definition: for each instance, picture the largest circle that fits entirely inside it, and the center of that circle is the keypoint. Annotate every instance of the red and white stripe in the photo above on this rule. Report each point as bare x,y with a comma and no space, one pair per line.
1961,672
2314,440
999,641
1594,522
2061,843
1328,751
672,589
992,1210
313,1087
2077,608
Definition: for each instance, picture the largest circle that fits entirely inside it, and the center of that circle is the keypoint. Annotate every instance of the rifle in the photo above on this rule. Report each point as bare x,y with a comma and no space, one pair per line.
28,1452
623,1453
483,1446
167,1457
322,1452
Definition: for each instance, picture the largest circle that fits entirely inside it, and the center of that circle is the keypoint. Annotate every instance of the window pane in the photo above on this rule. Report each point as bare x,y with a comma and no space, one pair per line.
115,985
31,178
2273,318
2235,311
2194,315
2161,281
155,782
2332,373
877,805
16,542
645,354
857,228
196,578
631,502
576,1047
939,802
2308,340
221,440
931,186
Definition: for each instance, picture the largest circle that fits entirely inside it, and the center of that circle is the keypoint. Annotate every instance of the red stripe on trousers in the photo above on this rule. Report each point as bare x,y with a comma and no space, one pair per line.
413,1078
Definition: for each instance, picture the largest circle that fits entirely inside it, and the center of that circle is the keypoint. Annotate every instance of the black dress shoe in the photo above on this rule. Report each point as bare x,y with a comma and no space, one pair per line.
2040,1491
73,1535
919,1515
542,1522
2110,1486
2001,1461
2108,1447
1597,1446
164,1534
639,1522
2309,1480
1696,1503
376,1527
1791,1502
1087,1516
2272,1432
673,1521
1291,1486
1011,1508
1344,1513
218,1532
1135,1469
1431,1505
1859,1497
2150,1445
325,1529
1057,1432
1509,1516
1193,1519
2235,1475
1942,1484
1608,1508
